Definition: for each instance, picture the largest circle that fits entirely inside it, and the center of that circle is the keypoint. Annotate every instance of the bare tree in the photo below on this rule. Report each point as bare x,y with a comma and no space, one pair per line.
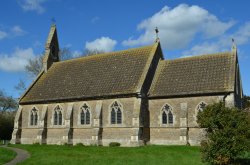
7,103
65,54
88,52
34,66
20,86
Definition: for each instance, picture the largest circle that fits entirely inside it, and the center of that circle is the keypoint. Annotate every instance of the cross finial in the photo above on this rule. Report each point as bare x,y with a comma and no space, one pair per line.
53,21
156,33
233,44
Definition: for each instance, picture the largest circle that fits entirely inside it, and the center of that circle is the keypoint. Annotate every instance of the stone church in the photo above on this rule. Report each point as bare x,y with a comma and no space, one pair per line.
134,97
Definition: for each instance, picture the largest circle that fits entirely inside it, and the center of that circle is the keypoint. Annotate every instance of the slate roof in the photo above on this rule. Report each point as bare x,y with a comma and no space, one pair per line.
203,74
115,73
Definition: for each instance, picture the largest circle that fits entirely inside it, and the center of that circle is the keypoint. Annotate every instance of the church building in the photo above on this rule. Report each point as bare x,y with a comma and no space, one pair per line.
133,97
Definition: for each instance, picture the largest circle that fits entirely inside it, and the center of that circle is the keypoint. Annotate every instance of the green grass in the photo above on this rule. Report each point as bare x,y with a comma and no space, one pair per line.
6,155
52,154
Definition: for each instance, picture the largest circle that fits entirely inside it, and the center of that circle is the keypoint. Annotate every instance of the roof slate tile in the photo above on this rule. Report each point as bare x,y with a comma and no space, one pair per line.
92,76
194,75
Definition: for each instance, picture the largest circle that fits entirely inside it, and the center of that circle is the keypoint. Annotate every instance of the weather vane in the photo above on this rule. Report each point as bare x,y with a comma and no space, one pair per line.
156,32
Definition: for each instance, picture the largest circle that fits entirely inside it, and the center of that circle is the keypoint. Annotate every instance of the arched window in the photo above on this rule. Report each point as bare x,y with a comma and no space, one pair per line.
201,106
116,113
113,116
58,115
170,118
55,118
85,114
119,116
60,118
82,117
87,117
167,115
164,118
33,116
35,120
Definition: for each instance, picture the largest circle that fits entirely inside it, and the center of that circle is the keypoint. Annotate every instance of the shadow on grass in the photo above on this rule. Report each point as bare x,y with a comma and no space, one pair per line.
245,161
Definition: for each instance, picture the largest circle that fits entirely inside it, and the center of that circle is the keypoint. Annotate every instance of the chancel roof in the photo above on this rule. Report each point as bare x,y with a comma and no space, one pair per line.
205,74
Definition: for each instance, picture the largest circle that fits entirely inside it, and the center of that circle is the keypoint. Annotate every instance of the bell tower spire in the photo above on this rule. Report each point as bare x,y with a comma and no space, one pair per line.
51,49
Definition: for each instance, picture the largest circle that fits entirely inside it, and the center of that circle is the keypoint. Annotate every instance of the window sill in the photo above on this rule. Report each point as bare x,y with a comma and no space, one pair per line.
167,125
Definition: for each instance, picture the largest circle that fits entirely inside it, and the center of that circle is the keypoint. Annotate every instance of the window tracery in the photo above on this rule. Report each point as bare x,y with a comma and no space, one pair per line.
167,115
85,114
116,113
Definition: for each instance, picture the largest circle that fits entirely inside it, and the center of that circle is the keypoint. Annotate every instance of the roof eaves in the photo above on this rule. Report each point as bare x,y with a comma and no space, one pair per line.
186,94
70,99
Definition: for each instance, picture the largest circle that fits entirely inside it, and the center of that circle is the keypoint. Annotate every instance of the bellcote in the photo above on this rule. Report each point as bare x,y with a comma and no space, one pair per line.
51,49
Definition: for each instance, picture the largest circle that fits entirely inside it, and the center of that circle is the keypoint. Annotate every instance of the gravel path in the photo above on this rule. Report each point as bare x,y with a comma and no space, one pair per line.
21,155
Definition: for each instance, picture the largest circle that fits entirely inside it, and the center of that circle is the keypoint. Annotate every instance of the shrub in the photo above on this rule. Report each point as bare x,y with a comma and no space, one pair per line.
6,124
79,144
114,144
227,133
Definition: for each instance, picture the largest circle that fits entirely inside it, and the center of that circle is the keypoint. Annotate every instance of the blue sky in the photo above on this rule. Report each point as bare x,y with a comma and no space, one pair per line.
186,28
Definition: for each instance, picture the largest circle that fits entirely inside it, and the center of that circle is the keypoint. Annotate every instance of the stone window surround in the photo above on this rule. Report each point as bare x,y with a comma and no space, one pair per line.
122,114
160,116
52,117
79,116
38,117
197,110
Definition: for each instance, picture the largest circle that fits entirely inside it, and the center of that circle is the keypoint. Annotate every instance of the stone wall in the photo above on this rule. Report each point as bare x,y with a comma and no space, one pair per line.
141,122
100,131
184,128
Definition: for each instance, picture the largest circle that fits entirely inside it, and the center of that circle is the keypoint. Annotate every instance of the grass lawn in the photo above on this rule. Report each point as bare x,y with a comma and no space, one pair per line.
53,154
6,155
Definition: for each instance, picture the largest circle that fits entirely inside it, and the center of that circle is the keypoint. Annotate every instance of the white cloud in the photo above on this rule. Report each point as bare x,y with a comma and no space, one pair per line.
17,30
204,48
102,44
241,37
12,32
178,26
2,35
32,5
16,61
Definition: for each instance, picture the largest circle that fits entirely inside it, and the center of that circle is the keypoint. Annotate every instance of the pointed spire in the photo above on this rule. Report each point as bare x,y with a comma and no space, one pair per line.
156,33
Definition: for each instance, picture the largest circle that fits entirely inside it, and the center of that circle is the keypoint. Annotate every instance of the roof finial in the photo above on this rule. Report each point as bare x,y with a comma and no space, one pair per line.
156,32
53,21
233,44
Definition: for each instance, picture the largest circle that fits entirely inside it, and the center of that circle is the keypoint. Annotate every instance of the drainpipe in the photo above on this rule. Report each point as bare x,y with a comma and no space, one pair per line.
224,98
